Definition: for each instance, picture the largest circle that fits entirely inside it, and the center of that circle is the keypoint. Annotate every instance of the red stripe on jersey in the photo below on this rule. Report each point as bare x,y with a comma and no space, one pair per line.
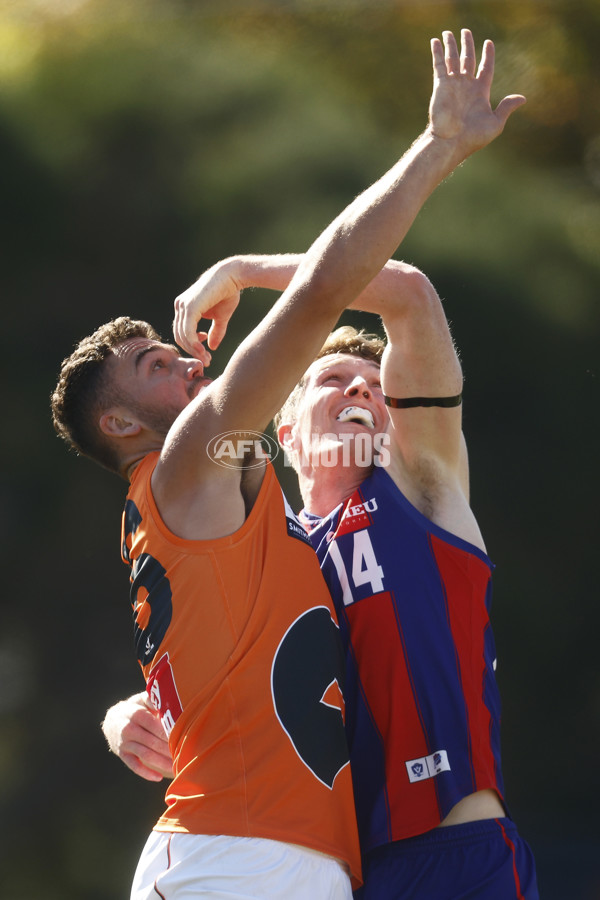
468,619
377,641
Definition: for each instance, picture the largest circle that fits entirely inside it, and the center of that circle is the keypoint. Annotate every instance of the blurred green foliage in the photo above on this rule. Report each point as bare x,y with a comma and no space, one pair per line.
142,140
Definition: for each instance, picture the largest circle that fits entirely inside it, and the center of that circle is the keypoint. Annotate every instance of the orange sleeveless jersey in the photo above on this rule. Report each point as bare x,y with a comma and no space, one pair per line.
238,643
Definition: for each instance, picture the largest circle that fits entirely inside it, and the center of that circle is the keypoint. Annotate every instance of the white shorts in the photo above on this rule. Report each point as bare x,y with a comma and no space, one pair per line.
177,866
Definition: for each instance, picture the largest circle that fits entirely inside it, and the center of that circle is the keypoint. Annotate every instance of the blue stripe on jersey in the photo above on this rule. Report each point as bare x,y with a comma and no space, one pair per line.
422,705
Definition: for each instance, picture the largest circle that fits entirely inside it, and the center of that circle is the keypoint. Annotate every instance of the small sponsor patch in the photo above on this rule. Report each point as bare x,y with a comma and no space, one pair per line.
163,693
427,766
294,525
356,516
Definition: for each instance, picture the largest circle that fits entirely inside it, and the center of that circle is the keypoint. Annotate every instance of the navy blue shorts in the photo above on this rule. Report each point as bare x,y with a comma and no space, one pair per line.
485,860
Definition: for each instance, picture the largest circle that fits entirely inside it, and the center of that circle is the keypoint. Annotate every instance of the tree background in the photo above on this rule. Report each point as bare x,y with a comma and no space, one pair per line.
142,140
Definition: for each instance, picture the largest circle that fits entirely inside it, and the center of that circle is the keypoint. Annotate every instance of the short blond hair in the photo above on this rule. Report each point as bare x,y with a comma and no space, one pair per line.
347,340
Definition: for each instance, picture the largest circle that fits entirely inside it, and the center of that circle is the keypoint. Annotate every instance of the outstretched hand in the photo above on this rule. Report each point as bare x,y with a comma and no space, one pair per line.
215,295
460,107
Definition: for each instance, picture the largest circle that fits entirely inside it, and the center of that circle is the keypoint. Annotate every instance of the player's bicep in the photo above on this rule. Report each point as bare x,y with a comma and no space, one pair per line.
424,435
420,359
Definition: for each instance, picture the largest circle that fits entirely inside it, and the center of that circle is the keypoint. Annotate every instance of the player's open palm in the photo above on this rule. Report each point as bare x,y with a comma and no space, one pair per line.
460,108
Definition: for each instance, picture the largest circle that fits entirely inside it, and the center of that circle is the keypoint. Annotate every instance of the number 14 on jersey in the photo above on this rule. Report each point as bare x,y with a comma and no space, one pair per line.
364,568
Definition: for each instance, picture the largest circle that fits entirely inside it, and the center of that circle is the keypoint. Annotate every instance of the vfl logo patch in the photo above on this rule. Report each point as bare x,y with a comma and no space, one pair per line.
427,766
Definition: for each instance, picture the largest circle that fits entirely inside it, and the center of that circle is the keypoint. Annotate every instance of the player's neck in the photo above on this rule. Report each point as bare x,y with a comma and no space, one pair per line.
323,488
134,450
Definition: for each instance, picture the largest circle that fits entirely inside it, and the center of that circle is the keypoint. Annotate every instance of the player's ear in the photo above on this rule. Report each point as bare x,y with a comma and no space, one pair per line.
118,422
285,436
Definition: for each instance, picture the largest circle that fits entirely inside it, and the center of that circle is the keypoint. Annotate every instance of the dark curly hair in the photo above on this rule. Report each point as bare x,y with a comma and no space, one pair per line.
83,389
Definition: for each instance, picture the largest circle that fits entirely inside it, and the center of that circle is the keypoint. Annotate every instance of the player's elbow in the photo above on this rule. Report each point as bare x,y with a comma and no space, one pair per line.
417,288
412,299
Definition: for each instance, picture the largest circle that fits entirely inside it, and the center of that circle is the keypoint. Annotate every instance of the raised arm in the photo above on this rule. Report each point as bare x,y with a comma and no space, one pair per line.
461,120
420,366
219,290
347,256
420,360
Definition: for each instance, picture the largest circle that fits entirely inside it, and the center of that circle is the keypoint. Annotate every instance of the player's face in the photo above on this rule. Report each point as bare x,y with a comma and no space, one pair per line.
342,396
156,383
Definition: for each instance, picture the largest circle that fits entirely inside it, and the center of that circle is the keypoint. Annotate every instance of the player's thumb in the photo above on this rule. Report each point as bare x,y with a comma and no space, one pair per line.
216,333
508,105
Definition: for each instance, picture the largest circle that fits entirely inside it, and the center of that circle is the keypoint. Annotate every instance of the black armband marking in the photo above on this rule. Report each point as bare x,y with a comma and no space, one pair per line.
409,402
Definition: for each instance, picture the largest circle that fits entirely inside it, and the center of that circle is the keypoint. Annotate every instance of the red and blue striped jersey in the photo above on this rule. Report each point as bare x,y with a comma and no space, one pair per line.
422,704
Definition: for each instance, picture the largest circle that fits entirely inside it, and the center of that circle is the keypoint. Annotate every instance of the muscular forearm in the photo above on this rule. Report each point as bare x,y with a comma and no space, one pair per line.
342,266
389,291
351,254
400,294
271,271
356,246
